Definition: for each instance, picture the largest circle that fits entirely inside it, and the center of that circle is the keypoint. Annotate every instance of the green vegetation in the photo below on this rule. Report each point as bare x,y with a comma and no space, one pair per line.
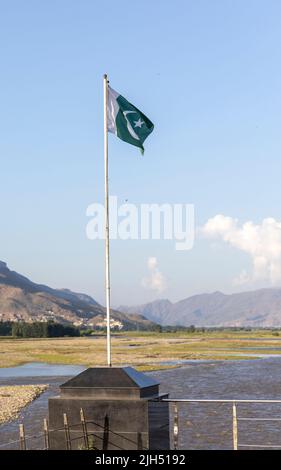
37,330
6,328
55,330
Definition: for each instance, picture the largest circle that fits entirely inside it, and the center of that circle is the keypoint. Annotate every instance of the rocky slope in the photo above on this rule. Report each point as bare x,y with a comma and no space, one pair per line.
24,300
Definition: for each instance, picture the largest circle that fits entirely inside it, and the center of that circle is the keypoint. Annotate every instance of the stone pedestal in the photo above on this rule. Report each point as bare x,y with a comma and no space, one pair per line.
122,408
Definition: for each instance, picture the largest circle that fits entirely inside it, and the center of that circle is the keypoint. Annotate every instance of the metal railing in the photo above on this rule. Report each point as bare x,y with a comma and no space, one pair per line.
45,436
88,438
235,419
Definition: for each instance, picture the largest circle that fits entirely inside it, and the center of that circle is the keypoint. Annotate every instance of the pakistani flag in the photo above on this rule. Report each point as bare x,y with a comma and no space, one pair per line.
126,121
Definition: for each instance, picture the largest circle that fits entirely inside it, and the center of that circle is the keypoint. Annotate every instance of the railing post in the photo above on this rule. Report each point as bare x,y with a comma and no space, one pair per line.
84,428
22,437
235,426
176,426
66,431
46,434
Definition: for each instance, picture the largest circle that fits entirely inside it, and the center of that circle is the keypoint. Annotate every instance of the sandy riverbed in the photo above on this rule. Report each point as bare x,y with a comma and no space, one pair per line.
15,397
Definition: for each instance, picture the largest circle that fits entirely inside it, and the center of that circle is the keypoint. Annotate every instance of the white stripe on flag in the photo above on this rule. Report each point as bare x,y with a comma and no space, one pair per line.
112,110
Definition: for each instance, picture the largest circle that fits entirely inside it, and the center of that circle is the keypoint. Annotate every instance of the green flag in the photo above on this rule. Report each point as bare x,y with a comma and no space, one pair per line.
126,121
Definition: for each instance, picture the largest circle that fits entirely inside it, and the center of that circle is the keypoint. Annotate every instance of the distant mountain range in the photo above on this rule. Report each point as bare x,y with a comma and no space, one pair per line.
259,308
24,300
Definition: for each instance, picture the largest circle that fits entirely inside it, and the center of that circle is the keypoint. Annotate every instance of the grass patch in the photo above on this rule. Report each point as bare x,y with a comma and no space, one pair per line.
139,349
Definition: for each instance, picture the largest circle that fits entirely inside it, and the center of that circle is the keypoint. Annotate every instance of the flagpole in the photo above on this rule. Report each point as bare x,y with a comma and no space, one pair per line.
107,271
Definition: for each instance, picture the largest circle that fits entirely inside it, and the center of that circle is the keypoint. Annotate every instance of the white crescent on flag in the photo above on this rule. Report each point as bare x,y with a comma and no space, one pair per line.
130,129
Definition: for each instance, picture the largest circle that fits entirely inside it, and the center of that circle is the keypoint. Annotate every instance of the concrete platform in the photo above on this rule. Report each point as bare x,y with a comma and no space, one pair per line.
122,407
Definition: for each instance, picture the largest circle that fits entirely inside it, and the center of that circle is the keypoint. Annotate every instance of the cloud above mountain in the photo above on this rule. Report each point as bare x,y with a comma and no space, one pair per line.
155,280
262,242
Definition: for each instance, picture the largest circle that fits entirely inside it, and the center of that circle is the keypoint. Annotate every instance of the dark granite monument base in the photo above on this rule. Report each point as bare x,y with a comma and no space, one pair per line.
122,409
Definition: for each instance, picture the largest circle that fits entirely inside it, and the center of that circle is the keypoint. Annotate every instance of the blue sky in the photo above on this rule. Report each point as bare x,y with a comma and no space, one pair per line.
206,73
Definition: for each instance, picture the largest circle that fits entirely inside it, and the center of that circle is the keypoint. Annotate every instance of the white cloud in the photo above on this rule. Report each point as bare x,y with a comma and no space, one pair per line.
155,280
152,263
261,241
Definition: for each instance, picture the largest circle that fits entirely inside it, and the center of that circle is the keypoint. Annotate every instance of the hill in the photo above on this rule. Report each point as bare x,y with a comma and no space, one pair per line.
24,300
259,308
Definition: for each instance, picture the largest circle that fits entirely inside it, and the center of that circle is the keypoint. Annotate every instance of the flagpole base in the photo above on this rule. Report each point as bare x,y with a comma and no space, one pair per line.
121,406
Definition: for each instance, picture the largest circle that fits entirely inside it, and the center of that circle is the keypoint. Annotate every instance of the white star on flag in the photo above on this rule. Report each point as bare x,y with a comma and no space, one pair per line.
138,123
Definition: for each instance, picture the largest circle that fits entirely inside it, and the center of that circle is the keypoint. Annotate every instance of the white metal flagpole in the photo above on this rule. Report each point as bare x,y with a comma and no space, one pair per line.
107,271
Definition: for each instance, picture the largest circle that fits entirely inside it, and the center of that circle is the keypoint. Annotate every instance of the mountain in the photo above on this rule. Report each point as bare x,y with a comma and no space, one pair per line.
259,308
157,311
24,300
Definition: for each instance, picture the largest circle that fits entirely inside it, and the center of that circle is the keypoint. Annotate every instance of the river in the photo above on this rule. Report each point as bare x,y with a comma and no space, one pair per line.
201,426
